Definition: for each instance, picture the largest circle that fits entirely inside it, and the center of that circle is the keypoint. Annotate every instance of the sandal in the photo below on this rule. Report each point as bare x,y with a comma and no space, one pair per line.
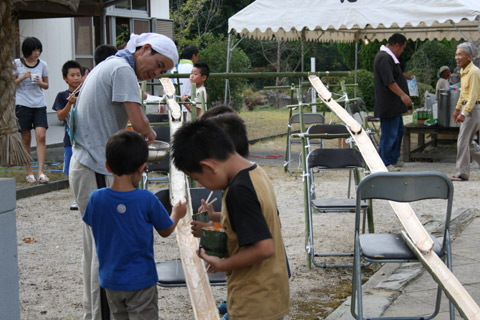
454,178
31,179
43,178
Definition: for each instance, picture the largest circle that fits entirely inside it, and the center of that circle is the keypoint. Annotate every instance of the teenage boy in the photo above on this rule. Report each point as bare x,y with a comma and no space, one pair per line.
257,282
121,218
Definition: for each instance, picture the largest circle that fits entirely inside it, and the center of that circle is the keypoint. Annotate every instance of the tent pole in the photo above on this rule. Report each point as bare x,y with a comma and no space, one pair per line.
356,66
228,67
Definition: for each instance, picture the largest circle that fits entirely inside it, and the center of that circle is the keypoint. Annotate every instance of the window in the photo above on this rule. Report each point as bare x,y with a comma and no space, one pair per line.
84,41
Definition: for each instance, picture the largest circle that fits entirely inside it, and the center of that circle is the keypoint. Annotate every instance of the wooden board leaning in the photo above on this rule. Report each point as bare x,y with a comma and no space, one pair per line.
196,278
416,236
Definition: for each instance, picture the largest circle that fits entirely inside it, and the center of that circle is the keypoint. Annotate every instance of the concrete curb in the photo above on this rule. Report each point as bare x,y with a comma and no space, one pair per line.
387,284
42,188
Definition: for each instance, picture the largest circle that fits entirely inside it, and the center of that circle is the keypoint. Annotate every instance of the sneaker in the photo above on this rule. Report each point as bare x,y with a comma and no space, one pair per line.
392,168
399,164
222,307
225,317
74,205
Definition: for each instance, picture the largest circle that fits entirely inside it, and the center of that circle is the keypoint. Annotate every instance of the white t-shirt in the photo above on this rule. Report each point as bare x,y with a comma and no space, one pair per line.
28,93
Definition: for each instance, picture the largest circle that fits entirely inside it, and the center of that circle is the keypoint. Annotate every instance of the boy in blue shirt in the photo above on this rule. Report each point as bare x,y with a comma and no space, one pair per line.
121,218
64,101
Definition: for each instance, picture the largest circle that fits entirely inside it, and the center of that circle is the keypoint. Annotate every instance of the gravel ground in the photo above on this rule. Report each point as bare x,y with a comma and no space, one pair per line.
50,248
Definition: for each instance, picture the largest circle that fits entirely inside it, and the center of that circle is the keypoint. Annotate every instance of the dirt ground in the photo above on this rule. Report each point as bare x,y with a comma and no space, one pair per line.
50,247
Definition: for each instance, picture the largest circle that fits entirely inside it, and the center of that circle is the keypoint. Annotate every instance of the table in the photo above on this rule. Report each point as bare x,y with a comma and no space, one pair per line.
422,130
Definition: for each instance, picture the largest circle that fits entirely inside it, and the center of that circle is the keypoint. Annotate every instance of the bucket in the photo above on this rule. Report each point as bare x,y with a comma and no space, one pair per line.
214,241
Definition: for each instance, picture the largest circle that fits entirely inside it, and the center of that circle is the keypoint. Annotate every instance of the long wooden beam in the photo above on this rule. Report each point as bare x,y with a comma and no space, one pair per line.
196,278
416,236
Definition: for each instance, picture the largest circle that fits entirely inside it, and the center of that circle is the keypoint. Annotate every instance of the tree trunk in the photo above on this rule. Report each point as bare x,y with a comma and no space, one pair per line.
12,152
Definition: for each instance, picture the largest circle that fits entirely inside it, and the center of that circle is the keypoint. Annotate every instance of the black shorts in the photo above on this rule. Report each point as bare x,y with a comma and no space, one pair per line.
30,118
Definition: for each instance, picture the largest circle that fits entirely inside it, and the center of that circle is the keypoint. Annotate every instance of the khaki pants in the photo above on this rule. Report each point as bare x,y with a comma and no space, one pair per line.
83,183
467,148
134,305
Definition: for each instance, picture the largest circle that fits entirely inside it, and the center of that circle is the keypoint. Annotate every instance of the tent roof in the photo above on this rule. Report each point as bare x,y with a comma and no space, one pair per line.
347,20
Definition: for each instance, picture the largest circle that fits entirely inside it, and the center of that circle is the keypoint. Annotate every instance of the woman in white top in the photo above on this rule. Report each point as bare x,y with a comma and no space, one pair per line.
31,78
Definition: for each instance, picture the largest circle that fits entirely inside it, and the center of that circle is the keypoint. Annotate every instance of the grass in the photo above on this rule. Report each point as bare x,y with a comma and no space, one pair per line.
53,170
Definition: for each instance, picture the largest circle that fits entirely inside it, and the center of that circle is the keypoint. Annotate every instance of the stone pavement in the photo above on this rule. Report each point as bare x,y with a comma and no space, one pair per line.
407,290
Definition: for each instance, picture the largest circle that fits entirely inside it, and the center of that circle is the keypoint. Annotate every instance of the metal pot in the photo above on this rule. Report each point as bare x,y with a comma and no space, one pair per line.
157,151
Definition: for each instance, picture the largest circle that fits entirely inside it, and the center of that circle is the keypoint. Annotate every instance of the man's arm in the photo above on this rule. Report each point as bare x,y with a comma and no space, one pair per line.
399,92
248,256
139,122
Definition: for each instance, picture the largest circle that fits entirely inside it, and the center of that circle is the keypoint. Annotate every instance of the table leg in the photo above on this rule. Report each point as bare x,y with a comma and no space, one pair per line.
406,145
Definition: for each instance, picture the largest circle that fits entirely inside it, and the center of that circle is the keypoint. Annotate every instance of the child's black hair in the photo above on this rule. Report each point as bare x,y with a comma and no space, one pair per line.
83,70
188,52
30,44
70,64
197,141
227,118
204,69
126,151
103,51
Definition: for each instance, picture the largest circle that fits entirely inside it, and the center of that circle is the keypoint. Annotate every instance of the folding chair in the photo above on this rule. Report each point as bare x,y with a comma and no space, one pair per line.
337,160
308,119
385,248
170,273
369,122
163,166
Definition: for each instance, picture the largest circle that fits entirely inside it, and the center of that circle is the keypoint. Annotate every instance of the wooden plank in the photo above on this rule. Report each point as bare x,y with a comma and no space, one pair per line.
415,232
456,293
196,278
404,212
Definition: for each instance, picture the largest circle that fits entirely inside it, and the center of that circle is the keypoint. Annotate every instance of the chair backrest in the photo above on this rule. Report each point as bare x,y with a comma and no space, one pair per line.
197,195
335,159
405,186
308,118
157,117
327,129
163,133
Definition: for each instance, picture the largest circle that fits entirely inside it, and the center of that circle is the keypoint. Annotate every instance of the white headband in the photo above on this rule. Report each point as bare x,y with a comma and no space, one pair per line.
160,43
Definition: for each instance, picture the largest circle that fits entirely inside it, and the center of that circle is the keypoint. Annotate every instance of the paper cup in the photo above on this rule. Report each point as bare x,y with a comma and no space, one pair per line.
34,76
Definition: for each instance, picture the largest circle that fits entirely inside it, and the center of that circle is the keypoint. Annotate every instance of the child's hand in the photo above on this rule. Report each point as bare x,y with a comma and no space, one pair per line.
184,98
197,227
206,207
180,209
27,75
213,263
72,98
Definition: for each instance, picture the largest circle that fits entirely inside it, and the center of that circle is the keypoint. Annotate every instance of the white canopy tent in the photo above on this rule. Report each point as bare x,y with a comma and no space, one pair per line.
351,20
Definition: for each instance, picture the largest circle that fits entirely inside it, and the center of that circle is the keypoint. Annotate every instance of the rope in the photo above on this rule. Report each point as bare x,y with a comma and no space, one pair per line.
7,131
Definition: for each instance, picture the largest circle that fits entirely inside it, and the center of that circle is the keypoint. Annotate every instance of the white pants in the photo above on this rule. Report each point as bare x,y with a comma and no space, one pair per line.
83,182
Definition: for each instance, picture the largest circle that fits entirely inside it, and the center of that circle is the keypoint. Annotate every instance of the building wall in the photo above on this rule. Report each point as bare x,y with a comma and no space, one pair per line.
160,9
56,36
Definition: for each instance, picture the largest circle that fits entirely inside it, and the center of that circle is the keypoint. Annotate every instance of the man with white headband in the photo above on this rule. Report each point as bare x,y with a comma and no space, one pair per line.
108,99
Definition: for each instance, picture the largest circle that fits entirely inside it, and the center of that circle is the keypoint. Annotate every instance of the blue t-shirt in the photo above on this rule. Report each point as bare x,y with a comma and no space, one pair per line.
60,103
122,227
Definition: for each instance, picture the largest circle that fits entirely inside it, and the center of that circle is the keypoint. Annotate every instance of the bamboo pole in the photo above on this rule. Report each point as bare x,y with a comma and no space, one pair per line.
196,278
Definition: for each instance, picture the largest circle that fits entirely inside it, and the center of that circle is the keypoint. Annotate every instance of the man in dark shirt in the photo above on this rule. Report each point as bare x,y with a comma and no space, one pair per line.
391,99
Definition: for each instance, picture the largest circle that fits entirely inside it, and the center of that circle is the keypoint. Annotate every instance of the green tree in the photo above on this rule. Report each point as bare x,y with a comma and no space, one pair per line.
215,55
365,88
430,56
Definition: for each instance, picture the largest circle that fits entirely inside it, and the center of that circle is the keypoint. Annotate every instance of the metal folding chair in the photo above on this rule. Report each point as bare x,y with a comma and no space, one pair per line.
163,166
386,247
170,273
308,119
